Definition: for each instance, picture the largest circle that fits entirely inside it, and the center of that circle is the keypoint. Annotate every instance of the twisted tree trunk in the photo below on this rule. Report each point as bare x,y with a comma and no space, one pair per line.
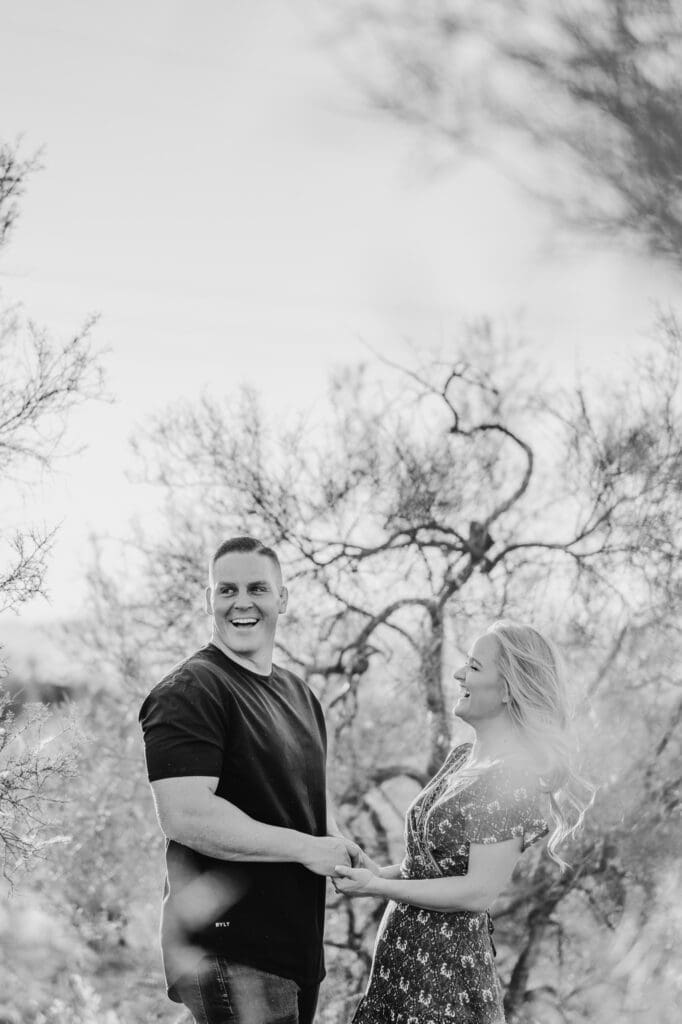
431,671
518,984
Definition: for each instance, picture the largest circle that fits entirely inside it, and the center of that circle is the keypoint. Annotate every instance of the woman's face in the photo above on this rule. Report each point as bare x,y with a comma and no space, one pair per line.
483,692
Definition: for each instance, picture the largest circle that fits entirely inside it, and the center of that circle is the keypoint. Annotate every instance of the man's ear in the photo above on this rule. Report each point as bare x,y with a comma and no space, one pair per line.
283,599
207,601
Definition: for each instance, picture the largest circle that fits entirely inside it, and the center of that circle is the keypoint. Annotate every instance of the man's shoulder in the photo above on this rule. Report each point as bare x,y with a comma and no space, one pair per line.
200,672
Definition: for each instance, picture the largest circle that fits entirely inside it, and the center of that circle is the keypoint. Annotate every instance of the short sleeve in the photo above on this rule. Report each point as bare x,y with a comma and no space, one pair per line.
496,808
184,727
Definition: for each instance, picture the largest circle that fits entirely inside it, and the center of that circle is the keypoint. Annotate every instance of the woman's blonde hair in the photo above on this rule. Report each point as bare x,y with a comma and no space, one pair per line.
537,695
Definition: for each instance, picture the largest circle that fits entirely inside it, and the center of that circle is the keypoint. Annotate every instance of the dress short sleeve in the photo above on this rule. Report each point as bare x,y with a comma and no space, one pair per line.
499,806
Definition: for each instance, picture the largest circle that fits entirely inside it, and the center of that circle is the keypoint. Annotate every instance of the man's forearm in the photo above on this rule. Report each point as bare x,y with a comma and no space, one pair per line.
219,829
448,894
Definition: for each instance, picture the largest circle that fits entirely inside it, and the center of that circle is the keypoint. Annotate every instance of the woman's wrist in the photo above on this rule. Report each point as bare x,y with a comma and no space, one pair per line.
379,886
389,871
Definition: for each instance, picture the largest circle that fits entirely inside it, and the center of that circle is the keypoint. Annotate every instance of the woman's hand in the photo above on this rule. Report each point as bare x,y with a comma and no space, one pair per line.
357,881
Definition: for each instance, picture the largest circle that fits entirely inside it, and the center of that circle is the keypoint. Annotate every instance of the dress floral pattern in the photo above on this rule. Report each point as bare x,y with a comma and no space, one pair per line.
432,967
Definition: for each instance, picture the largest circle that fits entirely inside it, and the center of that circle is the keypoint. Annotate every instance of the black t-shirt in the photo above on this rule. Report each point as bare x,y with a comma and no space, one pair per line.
264,738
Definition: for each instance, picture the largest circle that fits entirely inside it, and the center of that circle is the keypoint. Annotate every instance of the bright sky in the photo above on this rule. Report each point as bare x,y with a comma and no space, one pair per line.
216,189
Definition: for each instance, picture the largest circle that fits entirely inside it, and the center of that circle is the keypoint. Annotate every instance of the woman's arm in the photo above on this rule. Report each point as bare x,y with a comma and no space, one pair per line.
390,871
490,868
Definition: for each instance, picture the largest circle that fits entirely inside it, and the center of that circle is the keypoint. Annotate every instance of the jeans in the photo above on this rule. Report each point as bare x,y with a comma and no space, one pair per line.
222,992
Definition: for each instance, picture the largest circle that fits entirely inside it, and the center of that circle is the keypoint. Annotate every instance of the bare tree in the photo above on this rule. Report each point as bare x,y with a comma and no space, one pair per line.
35,761
41,382
15,170
416,514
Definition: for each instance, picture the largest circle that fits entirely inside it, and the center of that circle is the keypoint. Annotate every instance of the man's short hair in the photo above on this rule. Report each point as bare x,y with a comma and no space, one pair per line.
244,545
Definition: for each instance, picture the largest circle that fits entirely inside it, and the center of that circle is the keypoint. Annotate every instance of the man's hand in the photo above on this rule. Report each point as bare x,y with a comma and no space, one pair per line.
323,853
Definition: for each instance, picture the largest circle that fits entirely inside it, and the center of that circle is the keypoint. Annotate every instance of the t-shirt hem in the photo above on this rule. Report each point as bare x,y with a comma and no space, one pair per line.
259,964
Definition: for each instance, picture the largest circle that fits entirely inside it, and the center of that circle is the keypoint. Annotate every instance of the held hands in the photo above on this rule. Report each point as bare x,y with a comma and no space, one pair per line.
352,872
364,861
323,853
357,881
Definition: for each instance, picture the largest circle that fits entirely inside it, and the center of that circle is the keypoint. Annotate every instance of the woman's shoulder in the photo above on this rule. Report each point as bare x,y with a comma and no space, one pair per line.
506,781
502,801
456,760
516,772
459,752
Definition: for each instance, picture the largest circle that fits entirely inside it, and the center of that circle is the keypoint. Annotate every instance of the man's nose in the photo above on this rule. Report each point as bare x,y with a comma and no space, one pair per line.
460,674
243,600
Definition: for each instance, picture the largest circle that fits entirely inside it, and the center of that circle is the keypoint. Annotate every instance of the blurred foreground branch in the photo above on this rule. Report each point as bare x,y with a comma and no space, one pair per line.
589,90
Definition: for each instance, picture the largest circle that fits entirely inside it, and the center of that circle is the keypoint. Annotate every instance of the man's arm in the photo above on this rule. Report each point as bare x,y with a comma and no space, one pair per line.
190,813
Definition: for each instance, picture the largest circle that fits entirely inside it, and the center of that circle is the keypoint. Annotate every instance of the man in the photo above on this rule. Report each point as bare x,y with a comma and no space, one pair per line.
236,750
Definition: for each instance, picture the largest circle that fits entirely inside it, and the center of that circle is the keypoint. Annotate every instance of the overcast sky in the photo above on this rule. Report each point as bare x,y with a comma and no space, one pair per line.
216,189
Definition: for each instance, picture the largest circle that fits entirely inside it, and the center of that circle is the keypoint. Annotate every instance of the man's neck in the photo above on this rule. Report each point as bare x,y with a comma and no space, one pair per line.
261,665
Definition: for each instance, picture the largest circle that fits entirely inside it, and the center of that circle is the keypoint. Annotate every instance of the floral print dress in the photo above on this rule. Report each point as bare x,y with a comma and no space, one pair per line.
433,967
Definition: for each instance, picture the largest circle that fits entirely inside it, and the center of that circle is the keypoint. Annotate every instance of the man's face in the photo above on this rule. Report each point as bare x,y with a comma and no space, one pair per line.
245,598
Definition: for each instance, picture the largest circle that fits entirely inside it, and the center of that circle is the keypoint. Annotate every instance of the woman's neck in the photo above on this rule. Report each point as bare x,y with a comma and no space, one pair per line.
496,739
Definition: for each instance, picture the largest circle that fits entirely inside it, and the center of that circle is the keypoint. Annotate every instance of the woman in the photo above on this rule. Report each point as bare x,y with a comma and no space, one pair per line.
434,957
